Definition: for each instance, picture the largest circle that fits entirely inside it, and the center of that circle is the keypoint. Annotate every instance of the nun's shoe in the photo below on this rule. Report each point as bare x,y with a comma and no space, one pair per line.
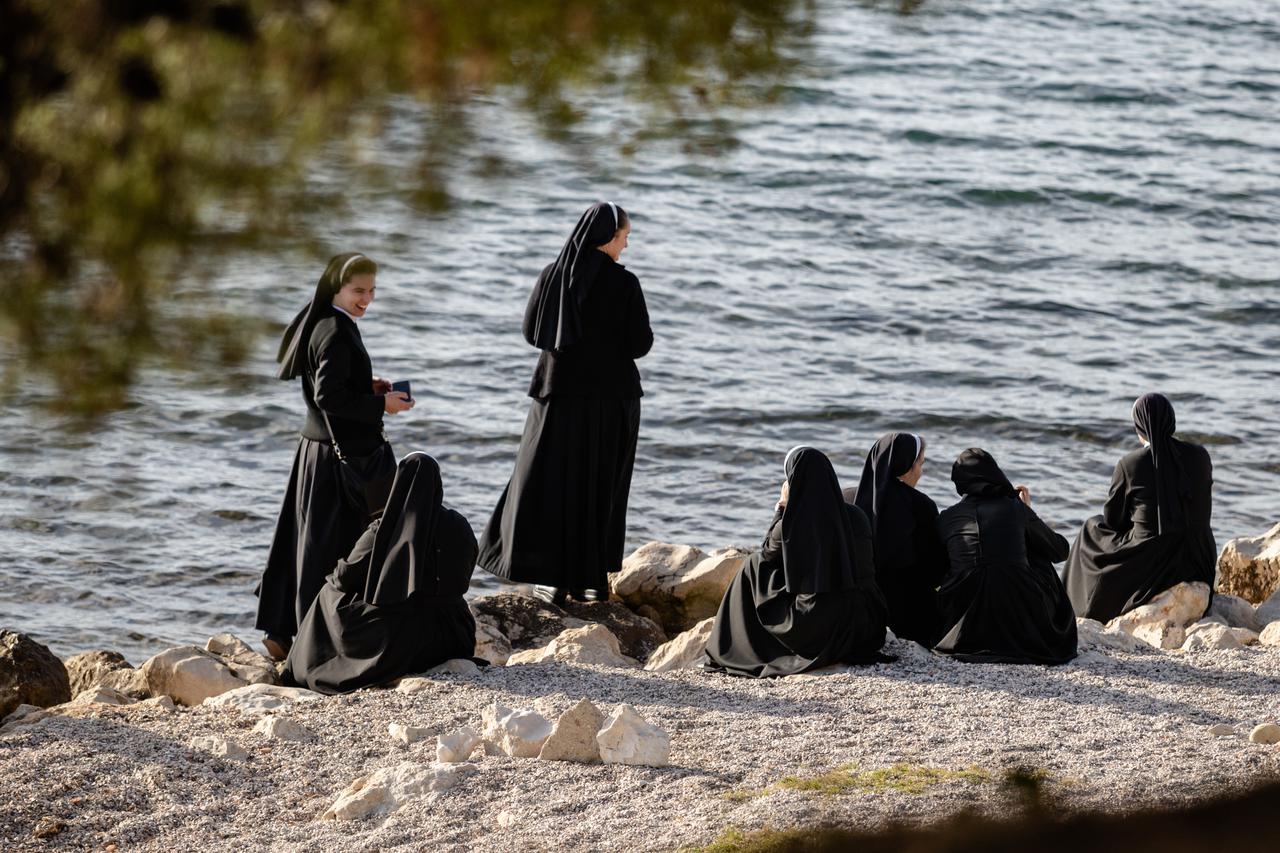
590,594
550,594
277,647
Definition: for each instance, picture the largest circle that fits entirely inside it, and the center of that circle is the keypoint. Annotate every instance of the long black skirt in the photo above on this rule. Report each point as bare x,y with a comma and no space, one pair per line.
315,530
762,630
562,519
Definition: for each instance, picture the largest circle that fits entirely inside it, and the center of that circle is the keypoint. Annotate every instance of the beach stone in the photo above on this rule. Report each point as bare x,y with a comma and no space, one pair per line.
491,644
1090,633
1245,636
244,663
1250,567
627,738
102,696
1269,610
23,715
637,635
592,644
457,745
410,734
1222,730
276,727
1235,612
1210,636
525,621
519,734
1265,733
87,669
162,703
455,666
189,675
574,735
679,584
1181,605
220,747
1270,635
684,651
1162,635
255,699
386,790
30,674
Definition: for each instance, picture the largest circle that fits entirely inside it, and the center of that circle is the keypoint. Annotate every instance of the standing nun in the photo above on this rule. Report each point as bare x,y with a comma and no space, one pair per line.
910,558
1154,529
345,403
395,605
561,521
808,598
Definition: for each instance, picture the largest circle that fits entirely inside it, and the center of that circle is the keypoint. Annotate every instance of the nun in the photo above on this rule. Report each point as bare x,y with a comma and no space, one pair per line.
395,605
910,558
343,465
1154,530
808,598
562,519
1002,600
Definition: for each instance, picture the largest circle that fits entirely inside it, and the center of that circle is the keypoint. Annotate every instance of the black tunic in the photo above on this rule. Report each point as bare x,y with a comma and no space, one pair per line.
1120,560
316,528
561,520
1002,600
395,605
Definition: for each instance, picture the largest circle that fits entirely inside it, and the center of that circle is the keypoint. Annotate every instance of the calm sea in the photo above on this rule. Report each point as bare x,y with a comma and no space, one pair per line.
993,223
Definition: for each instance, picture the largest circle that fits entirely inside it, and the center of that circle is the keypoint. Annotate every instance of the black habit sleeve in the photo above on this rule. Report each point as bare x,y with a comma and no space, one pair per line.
332,357
1115,512
639,332
931,553
1043,541
771,548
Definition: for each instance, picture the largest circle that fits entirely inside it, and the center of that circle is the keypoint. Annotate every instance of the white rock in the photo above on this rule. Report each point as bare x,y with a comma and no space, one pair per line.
253,667
457,745
220,747
1222,730
1250,567
1180,605
102,696
684,651
256,699
507,819
519,734
491,644
1270,635
455,666
1265,733
1245,636
24,715
574,736
1235,611
162,703
189,675
282,728
1162,635
591,644
410,734
388,789
412,684
626,738
1092,634
1210,637
1269,610
680,583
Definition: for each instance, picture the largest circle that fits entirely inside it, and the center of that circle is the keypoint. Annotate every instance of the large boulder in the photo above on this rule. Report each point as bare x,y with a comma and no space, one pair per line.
189,675
677,585
1235,612
684,651
30,674
590,644
1180,606
525,621
88,669
637,635
1250,567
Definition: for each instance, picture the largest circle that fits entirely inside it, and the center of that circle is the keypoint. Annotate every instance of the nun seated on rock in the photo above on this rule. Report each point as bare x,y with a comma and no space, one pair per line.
1154,530
1002,601
395,605
808,598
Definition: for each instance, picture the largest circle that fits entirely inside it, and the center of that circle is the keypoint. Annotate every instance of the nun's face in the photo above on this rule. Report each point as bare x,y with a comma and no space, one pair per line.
619,242
355,295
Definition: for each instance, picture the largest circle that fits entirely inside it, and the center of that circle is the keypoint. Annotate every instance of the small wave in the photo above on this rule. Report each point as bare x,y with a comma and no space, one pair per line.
1003,197
1092,93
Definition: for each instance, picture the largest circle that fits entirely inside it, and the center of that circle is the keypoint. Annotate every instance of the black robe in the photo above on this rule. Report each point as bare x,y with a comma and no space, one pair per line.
316,528
1120,560
1002,600
395,605
784,616
561,520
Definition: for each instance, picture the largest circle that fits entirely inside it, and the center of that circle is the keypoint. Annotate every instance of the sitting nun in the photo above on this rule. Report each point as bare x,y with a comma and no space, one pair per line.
394,606
910,558
1154,529
808,598
1002,600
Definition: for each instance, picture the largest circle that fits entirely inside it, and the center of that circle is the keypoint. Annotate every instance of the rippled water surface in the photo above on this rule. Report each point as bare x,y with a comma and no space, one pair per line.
994,223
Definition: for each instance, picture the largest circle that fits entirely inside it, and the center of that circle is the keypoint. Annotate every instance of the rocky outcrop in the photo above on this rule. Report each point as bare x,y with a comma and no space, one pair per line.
386,790
189,675
574,735
1250,567
104,668
30,674
1179,606
519,733
591,644
257,699
525,621
676,585
1235,612
684,651
627,738
244,663
637,635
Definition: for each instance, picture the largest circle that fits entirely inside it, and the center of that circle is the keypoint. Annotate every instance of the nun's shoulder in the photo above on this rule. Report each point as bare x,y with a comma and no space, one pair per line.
624,276
1134,460
861,524
922,501
324,331
454,523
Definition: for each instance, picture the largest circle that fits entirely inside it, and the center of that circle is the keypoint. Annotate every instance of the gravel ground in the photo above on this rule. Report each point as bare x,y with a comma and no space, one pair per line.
1113,730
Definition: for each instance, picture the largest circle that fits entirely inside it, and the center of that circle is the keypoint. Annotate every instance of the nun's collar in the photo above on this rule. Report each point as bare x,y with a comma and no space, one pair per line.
342,310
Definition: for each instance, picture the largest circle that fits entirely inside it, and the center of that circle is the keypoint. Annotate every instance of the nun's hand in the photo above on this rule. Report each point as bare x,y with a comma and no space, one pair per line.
785,493
381,386
1024,494
396,401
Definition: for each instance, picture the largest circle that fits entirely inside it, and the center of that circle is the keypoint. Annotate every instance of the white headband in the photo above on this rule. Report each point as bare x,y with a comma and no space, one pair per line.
343,272
786,463
616,223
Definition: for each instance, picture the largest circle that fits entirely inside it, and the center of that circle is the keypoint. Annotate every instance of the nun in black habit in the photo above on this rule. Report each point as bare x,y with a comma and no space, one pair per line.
1002,600
910,558
395,605
345,402
808,598
1154,530
561,521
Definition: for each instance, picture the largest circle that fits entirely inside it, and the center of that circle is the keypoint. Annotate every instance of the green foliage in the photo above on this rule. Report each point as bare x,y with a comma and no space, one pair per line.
136,134
904,778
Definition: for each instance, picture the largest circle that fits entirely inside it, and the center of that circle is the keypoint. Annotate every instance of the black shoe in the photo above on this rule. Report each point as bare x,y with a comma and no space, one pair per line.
277,647
550,594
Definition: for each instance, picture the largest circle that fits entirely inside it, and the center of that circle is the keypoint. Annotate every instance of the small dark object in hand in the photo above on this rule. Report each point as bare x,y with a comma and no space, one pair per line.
402,386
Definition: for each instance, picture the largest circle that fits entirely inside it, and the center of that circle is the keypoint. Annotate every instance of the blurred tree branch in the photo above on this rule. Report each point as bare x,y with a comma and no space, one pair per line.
134,133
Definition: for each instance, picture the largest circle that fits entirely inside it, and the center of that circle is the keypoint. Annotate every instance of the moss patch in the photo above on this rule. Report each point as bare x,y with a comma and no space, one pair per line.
906,778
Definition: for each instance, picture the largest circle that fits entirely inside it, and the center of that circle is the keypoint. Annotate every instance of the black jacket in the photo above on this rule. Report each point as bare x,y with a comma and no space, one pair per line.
341,383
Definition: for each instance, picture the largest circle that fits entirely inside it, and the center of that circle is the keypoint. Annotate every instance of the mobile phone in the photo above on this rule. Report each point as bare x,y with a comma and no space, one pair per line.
402,386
